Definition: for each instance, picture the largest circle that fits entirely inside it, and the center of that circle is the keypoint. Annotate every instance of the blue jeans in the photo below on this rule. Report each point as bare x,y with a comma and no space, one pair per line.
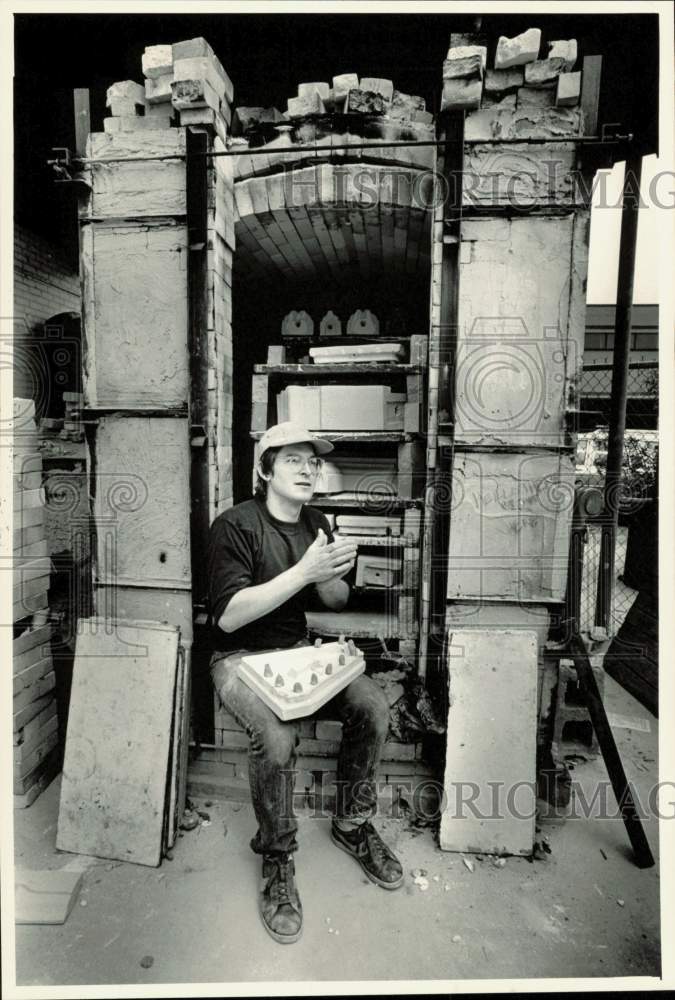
364,711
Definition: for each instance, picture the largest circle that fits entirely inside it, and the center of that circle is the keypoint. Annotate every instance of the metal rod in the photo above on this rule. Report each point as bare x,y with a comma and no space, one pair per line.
620,785
325,150
619,394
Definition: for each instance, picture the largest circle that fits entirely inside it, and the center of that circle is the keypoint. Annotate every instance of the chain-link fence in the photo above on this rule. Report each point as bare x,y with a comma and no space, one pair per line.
596,381
623,595
634,567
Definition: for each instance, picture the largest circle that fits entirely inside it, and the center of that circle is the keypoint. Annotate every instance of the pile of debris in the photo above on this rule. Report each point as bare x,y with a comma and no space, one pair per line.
347,95
343,113
185,78
519,78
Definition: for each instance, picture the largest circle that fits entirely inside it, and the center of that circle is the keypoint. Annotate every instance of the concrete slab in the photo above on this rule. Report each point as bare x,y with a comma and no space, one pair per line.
490,770
114,776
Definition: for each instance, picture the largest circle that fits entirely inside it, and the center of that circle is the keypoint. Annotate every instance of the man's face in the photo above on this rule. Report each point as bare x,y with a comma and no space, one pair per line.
294,473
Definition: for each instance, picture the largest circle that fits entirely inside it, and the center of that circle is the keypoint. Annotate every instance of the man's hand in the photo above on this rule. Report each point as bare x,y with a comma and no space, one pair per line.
323,562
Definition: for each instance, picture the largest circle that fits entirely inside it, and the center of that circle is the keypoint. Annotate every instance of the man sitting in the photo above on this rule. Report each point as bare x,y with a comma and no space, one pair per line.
266,556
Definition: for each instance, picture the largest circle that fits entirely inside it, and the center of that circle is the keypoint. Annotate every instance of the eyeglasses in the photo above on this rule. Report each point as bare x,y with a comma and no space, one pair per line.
296,462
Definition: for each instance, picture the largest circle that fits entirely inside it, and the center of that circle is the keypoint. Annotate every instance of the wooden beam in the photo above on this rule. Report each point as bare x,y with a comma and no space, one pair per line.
82,120
590,92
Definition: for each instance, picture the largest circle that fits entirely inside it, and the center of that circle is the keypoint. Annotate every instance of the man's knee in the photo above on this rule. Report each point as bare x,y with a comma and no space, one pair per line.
277,742
370,705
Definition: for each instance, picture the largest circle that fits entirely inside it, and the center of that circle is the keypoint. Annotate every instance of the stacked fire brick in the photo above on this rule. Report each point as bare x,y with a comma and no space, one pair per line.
185,78
349,109
34,704
519,79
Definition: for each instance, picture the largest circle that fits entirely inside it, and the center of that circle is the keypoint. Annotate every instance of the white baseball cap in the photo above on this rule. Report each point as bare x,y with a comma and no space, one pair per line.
290,433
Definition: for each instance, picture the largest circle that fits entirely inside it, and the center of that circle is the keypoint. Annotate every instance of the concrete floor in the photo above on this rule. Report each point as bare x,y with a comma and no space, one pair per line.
196,915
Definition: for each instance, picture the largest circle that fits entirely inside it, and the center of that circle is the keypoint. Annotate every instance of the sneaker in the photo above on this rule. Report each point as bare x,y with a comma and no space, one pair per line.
279,902
367,847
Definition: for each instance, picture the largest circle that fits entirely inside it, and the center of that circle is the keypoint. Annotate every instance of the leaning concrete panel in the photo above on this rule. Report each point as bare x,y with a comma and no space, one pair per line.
113,792
135,316
509,526
490,768
142,502
520,329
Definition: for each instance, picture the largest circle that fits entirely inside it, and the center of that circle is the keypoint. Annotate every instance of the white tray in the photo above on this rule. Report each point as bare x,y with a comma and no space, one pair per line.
297,666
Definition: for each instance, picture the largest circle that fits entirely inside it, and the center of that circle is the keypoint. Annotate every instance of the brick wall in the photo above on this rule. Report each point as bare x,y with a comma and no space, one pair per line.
44,285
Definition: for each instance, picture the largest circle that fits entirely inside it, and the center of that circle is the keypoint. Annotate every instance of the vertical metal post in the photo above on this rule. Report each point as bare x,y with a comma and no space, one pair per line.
617,420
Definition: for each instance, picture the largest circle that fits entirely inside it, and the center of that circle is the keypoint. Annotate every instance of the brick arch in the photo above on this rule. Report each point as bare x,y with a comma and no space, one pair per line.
334,220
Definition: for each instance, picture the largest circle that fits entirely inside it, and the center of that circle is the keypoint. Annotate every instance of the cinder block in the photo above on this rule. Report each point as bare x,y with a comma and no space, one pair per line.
518,51
157,61
160,110
569,90
158,89
309,104
342,84
572,726
124,106
127,90
127,123
198,116
374,85
199,68
328,730
467,60
535,97
565,50
308,89
198,47
543,72
195,93
501,81
462,94
407,102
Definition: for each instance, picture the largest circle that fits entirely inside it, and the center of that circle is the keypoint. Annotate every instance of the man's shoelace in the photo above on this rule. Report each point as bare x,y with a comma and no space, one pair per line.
378,848
280,886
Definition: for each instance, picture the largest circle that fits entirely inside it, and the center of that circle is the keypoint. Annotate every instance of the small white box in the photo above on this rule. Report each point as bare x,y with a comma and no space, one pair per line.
352,407
301,404
375,571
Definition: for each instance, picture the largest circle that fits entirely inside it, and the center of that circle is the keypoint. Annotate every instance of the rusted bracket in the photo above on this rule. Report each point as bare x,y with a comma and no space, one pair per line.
63,166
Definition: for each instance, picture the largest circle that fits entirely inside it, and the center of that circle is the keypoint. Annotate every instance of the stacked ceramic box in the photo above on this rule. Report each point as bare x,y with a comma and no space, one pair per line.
518,79
345,112
35,734
185,78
